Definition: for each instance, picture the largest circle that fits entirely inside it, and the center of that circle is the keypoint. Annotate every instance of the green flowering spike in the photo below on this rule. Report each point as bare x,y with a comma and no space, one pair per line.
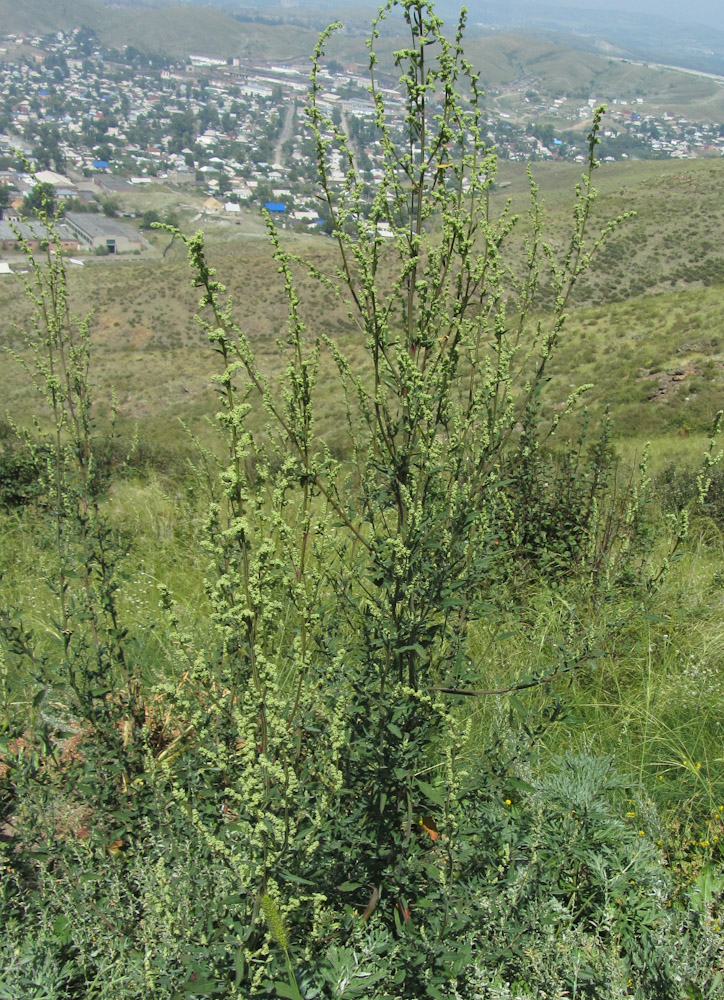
274,921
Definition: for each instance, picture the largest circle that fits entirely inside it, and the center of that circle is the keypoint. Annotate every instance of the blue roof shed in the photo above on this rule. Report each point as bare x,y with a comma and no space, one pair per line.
275,206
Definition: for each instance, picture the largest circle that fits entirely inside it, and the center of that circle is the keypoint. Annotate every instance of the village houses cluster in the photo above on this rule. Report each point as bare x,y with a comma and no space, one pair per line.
90,124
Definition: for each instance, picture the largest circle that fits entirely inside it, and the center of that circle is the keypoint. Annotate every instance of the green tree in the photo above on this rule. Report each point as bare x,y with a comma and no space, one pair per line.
182,131
41,157
149,217
545,133
111,206
57,61
40,200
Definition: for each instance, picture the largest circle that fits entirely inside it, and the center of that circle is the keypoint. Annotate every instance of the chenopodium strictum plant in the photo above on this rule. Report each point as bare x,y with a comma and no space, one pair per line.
258,733
342,588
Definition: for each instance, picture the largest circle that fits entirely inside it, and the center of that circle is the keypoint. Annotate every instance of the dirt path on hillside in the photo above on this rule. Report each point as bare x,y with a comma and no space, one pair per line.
285,134
353,146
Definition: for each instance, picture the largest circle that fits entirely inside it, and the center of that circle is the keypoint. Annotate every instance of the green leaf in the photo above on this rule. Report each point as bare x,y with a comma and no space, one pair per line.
431,793
61,929
519,785
433,873
427,904
285,990
414,648
200,988
289,877
239,966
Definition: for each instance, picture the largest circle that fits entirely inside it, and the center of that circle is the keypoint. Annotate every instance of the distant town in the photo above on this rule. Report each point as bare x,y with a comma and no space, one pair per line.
81,125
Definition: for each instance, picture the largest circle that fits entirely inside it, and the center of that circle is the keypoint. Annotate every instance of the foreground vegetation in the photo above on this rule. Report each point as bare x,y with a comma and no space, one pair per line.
423,704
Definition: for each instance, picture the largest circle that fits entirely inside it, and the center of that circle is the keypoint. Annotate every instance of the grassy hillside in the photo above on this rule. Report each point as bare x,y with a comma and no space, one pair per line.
504,57
41,16
174,31
644,327
558,69
178,31
671,242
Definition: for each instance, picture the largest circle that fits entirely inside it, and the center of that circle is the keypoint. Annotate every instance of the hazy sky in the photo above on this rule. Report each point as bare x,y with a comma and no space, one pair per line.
709,12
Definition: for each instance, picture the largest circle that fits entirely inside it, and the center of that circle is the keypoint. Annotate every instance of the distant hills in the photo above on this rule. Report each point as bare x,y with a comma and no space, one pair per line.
179,31
568,39
42,16
679,41
152,26
690,35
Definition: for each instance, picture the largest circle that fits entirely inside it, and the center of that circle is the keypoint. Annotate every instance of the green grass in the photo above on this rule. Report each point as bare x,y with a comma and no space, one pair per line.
651,695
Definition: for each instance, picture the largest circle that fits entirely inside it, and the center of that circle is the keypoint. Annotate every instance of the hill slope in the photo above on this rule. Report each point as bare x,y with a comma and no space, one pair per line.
644,326
556,69
42,16
177,31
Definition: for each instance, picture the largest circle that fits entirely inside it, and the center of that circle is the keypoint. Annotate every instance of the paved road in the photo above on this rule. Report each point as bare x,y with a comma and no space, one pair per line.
678,69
